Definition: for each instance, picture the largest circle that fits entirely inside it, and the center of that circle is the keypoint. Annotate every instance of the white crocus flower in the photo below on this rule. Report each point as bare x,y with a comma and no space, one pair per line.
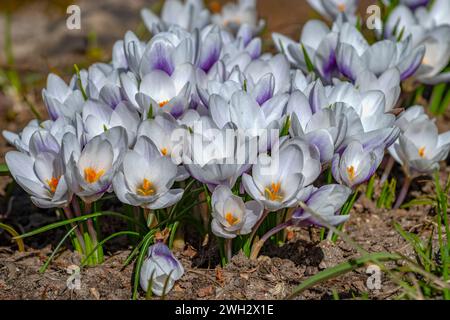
189,15
99,117
279,181
21,141
355,55
234,15
60,99
158,92
356,164
146,178
326,129
429,31
277,66
420,147
325,202
216,156
90,169
41,176
161,269
245,114
231,216
318,41
331,9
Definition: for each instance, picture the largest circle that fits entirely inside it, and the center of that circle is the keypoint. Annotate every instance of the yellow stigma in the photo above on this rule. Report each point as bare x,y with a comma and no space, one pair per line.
231,219
351,172
273,192
163,103
52,184
164,151
215,7
422,152
91,175
341,7
146,188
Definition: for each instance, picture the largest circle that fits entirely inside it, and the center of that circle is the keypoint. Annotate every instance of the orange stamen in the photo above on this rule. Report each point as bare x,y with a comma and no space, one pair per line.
341,7
163,103
351,172
273,192
53,184
231,219
146,188
91,175
164,151
422,152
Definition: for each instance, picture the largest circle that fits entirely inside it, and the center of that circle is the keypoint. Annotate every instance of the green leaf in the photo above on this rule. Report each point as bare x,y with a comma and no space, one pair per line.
343,268
77,219
45,266
444,104
308,61
13,233
140,261
4,171
101,243
418,202
436,98
287,125
173,231
80,83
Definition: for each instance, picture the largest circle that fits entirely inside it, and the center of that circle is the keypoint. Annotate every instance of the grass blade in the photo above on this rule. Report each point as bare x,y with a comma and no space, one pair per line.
4,170
15,236
342,268
139,263
77,219
101,243
46,264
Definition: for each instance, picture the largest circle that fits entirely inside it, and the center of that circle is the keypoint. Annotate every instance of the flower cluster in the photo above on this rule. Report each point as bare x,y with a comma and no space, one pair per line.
200,100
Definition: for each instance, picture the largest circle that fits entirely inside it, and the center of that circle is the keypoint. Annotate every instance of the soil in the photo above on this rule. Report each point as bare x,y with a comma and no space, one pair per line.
273,276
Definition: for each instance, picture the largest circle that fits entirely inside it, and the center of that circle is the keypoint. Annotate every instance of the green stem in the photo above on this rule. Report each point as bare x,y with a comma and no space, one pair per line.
78,234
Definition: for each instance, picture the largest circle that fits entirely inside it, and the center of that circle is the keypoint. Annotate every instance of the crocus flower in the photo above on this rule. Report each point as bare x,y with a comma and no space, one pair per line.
42,177
90,169
278,66
278,181
355,55
330,9
168,136
133,50
356,164
158,92
216,156
60,99
167,50
245,114
420,148
21,141
326,202
231,216
161,268
244,44
319,43
99,117
424,31
146,178
233,15
189,15
325,129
